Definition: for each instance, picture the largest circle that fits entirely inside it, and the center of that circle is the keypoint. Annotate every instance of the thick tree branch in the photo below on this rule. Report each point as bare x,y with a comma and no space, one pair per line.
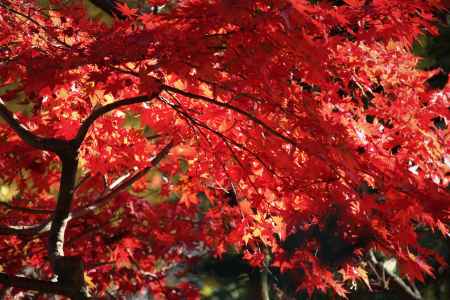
35,285
105,109
69,160
264,277
109,6
63,205
115,188
68,269
68,154
48,144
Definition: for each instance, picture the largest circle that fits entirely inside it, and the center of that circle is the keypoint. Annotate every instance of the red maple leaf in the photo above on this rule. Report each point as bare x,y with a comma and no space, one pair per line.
294,135
126,10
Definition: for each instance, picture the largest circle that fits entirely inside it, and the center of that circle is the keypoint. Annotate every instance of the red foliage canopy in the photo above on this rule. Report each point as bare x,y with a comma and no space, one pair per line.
300,135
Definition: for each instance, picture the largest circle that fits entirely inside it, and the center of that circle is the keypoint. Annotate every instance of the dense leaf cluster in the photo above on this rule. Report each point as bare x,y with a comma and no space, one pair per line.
137,137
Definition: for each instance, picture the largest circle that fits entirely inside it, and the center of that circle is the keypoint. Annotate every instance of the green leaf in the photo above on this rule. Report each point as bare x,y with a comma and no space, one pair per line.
9,87
176,178
149,132
421,45
20,104
44,3
204,204
174,197
132,121
426,63
184,166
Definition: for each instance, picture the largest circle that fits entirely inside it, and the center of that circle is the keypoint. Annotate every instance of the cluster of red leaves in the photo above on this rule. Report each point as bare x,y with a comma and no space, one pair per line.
312,113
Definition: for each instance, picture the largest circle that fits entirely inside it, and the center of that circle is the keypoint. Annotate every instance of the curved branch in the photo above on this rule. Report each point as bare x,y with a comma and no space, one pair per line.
34,211
26,229
223,137
221,104
122,183
30,138
231,107
105,109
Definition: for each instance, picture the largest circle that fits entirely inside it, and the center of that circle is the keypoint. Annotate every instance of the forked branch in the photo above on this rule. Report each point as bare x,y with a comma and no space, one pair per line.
68,154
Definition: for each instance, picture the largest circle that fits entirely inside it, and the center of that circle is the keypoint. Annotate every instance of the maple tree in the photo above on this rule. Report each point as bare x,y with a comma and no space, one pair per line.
139,136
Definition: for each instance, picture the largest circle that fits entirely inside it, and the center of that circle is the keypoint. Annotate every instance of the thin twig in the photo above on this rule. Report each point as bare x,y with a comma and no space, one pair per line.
35,23
411,291
35,211
233,108
114,189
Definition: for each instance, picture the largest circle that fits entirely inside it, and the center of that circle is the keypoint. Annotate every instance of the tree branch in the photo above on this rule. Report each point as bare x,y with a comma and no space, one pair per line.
68,154
34,211
221,104
115,188
264,276
63,204
25,229
413,292
37,24
105,109
109,6
233,108
48,144
121,184
69,269
35,285
223,137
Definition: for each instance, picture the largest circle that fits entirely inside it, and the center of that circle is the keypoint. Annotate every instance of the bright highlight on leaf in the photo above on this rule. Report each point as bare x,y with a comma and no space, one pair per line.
8,191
